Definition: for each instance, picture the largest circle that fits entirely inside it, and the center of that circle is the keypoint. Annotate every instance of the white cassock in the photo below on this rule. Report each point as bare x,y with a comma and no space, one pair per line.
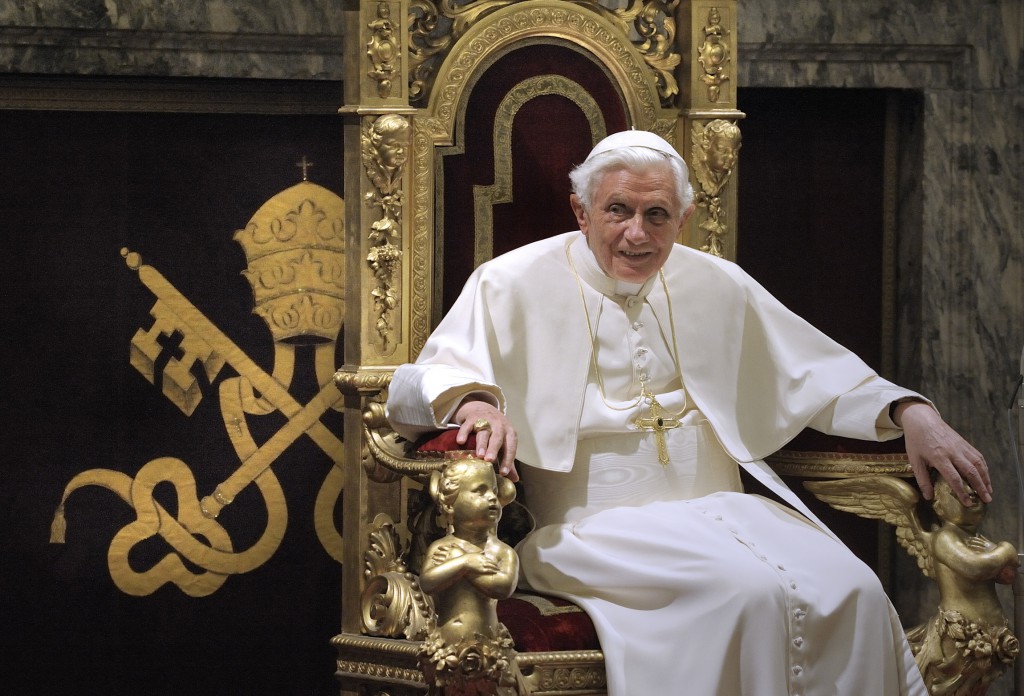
694,586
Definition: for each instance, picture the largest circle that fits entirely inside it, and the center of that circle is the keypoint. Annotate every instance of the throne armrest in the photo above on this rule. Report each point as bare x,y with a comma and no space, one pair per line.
967,643
553,644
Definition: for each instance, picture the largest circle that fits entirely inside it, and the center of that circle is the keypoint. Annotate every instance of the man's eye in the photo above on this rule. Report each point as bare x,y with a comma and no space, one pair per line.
617,210
657,216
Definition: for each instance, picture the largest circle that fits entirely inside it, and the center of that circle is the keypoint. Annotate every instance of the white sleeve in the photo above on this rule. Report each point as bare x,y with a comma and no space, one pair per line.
863,412
455,362
423,397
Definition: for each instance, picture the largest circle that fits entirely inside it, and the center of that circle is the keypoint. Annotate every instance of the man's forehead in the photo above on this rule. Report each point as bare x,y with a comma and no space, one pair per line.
654,186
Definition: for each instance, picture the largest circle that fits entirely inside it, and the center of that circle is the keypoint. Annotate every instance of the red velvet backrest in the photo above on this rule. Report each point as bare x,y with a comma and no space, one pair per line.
550,135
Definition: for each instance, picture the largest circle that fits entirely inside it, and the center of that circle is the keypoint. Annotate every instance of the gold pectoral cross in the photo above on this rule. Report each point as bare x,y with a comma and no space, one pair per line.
657,422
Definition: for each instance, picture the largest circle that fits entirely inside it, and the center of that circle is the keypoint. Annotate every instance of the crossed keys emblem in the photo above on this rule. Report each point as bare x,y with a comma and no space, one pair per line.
295,249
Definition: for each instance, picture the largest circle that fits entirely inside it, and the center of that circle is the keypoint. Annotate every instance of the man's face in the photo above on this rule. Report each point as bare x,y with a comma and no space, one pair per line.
632,222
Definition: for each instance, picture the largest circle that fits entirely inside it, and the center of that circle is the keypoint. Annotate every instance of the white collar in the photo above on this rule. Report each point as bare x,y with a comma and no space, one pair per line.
590,271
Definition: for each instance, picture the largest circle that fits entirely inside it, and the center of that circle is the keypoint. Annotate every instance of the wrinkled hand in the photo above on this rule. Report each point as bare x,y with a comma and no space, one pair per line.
500,440
932,444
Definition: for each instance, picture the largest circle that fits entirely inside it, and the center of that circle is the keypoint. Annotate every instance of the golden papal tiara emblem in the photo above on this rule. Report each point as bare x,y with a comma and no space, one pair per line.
294,248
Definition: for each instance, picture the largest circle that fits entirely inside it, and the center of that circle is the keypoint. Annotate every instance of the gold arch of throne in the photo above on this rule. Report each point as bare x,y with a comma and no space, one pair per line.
584,28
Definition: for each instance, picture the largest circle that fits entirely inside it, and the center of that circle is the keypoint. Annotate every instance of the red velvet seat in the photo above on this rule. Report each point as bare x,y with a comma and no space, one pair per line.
540,623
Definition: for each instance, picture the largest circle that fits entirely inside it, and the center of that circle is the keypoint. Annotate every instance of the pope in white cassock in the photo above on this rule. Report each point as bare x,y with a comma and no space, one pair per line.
631,377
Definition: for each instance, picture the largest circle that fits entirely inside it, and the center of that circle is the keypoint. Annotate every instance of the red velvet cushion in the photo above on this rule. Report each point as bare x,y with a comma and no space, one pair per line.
539,623
442,445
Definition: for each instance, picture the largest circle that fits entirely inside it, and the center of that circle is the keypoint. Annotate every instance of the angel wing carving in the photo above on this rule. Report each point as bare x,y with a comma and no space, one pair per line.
885,498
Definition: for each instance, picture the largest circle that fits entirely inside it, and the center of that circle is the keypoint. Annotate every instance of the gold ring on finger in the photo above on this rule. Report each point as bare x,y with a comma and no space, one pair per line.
482,424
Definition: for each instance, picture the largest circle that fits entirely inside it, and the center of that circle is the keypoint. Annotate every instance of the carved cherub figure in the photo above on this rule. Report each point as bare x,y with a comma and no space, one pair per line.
716,147
469,569
385,143
466,572
968,643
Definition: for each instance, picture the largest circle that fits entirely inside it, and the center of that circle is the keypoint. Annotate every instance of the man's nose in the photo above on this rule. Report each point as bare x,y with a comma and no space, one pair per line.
635,231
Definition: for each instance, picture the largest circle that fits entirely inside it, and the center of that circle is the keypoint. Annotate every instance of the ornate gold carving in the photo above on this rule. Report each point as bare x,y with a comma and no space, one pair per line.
388,450
654,22
961,657
838,464
394,649
435,29
560,658
585,26
385,142
486,197
386,663
471,666
378,671
967,644
292,244
295,246
382,659
421,261
362,381
392,603
383,49
466,572
716,148
563,671
568,678
714,55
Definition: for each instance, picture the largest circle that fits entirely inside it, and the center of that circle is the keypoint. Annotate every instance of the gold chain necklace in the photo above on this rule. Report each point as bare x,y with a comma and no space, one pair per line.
656,420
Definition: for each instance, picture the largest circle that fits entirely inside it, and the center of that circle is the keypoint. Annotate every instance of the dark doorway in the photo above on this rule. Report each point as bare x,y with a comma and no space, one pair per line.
819,215
813,224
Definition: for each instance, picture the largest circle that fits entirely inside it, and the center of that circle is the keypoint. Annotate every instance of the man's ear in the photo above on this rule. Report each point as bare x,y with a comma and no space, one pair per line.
686,216
580,212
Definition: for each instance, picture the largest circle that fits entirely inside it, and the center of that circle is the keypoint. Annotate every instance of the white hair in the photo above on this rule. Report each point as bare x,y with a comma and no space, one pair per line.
640,159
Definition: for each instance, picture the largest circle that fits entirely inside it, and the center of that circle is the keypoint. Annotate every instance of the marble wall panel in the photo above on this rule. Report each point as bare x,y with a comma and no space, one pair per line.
304,17
300,39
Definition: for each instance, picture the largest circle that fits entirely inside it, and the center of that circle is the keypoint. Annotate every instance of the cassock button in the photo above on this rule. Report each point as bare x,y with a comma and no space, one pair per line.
637,325
798,642
797,670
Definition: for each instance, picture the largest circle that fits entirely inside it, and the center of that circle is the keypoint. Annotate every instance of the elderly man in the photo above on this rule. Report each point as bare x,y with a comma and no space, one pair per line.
632,377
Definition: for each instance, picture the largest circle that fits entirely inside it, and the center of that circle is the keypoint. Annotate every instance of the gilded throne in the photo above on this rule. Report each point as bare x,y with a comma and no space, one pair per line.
462,122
